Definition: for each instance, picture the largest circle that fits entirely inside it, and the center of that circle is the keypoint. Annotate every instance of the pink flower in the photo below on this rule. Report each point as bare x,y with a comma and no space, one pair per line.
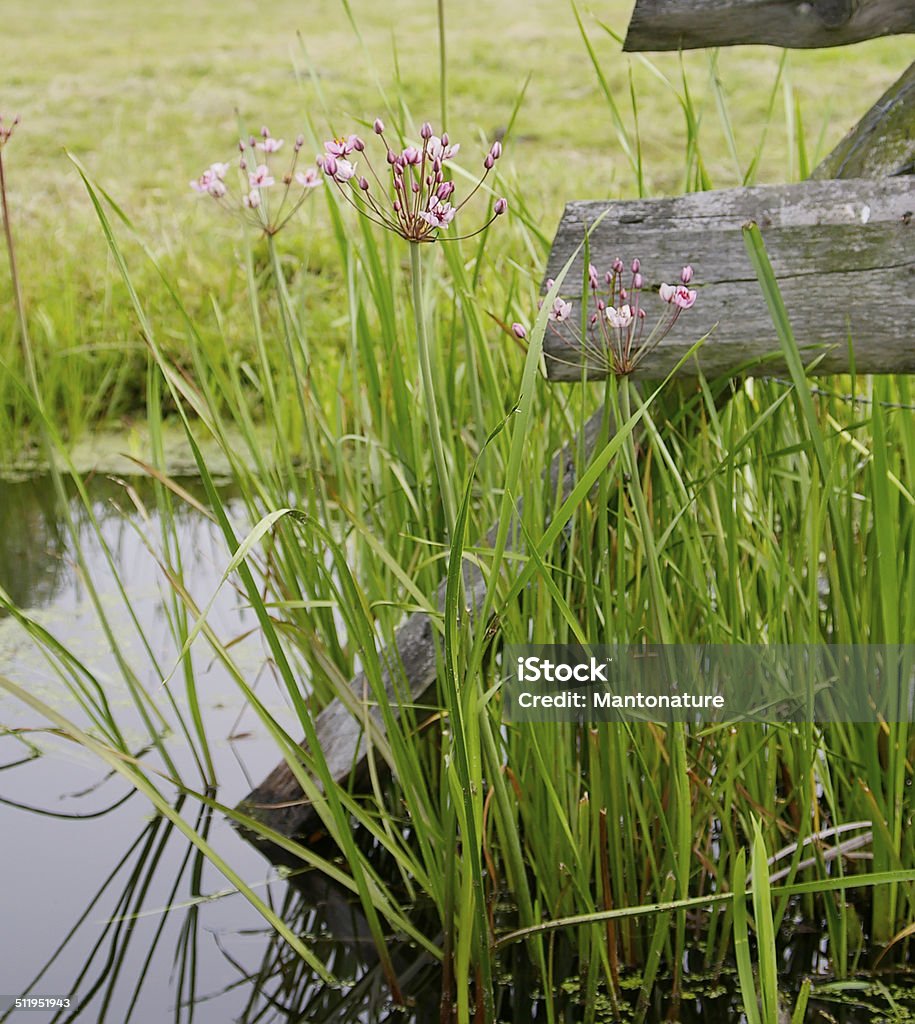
341,146
343,170
261,177
253,174
519,332
440,214
439,149
686,274
620,318
416,203
678,295
615,334
211,181
309,178
684,297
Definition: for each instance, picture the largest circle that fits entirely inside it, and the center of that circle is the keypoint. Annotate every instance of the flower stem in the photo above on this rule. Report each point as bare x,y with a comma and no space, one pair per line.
17,289
425,366
681,804
295,342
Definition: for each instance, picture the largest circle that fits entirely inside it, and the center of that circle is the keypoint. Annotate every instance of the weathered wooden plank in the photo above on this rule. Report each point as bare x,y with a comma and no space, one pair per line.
882,143
800,24
410,667
843,251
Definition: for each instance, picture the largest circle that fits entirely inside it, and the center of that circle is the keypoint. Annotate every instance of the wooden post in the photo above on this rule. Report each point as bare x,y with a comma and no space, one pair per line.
801,24
882,143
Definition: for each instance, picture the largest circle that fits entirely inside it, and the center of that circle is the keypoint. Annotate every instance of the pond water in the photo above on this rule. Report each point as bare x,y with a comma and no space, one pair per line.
109,905
88,872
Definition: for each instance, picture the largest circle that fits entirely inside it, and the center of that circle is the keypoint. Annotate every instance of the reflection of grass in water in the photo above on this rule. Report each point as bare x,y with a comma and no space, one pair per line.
721,534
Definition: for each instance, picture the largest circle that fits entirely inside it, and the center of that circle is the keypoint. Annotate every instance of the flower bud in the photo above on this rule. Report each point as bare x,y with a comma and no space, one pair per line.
241,145
358,144
636,266
265,132
519,332
330,165
378,126
392,157
445,140
426,130
686,274
592,276
495,150
500,207
488,162
364,183
299,142
637,280
617,266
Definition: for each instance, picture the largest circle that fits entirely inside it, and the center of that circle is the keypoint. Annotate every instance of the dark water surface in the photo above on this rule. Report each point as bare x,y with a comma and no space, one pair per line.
107,903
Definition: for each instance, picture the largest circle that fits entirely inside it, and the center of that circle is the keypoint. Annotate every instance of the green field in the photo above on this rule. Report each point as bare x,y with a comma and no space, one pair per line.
146,96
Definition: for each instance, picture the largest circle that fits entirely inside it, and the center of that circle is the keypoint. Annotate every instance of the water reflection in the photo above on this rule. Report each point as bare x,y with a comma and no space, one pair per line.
32,542
141,927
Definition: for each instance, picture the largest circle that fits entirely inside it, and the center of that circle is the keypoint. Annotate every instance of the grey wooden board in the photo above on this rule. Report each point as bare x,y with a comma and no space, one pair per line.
689,24
278,802
882,143
843,252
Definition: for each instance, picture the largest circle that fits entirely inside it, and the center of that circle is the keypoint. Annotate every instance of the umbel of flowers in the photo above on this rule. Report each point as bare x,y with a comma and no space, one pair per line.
257,191
413,195
615,334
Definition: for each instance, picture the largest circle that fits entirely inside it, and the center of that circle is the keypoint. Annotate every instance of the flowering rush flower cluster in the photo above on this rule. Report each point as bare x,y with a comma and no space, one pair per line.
615,335
263,196
6,130
415,197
